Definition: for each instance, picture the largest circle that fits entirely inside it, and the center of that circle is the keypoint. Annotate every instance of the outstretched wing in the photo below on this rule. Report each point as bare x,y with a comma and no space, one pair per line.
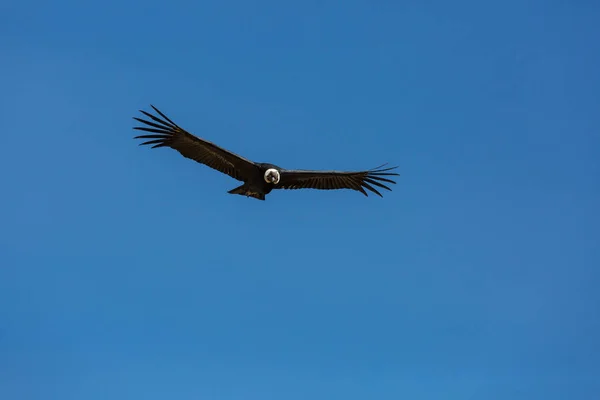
328,180
165,133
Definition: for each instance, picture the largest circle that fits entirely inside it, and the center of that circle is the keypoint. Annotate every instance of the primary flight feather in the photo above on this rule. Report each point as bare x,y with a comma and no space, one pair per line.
259,178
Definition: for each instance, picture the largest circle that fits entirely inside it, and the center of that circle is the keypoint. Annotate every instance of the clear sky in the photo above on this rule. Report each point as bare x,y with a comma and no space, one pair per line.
130,273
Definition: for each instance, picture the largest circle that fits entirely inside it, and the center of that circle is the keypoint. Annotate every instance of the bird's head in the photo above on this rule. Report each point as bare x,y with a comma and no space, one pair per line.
272,176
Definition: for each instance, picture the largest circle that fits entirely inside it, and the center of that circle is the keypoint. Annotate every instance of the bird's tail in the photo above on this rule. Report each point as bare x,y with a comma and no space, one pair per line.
246,191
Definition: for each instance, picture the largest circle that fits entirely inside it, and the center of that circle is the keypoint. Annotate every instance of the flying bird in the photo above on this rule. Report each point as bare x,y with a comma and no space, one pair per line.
259,179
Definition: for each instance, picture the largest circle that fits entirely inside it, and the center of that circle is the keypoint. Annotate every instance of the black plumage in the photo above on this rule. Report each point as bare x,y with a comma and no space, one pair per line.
259,178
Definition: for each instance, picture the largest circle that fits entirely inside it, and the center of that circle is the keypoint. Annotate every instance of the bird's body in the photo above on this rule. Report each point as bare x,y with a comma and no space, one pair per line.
259,178
256,186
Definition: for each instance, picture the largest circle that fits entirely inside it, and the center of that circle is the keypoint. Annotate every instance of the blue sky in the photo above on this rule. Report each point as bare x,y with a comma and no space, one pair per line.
131,273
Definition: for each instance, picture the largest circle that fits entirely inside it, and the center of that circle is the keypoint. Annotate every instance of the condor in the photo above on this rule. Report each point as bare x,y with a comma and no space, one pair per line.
259,178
